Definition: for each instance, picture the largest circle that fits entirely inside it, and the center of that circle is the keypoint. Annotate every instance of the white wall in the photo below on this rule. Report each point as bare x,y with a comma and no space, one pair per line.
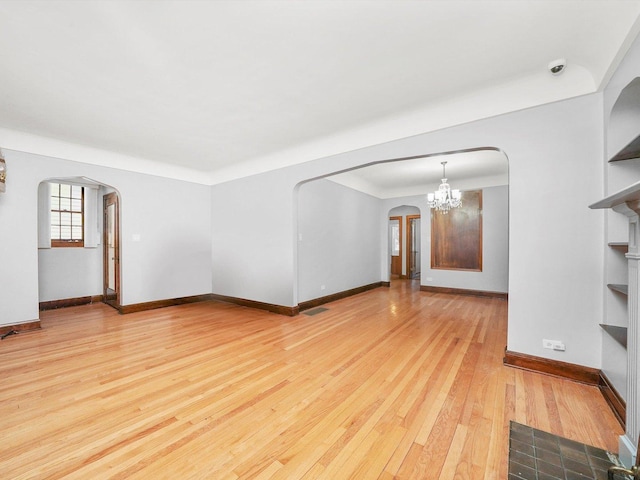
254,240
172,258
69,273
555,262
338,241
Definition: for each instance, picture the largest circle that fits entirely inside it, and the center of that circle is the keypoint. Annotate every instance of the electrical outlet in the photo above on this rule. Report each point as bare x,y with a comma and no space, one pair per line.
556,345
322,287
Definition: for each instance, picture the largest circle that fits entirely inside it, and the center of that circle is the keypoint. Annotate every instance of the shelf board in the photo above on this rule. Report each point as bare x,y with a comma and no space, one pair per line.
618,333
629,152
617,287
623,246
630,193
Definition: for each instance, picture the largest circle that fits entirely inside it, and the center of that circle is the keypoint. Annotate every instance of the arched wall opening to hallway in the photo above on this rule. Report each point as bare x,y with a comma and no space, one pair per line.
342,221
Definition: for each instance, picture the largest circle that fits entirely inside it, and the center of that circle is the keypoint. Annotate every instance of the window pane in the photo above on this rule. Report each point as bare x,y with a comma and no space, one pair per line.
395,238
65,218
66,212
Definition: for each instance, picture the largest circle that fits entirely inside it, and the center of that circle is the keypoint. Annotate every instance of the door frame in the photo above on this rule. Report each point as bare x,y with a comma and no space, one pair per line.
112,299
400,228
409,231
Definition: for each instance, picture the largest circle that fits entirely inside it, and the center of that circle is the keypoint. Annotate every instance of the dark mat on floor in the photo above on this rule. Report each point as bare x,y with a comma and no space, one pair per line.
538,455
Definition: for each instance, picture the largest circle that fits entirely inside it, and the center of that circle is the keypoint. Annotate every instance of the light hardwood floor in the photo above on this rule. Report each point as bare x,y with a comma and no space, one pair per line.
392,383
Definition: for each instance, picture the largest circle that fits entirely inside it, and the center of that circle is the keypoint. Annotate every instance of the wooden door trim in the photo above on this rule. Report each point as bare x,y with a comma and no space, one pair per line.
409,236
111,198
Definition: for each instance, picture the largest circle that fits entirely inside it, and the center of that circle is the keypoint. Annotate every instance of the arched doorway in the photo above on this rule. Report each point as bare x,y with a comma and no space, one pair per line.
72,265
330,212
404,242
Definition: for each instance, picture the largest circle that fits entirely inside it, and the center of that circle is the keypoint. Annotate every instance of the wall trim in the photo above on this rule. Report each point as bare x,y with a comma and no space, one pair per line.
614,399
21,327
270,307
570,371
340,295
69,302
169,302
463,291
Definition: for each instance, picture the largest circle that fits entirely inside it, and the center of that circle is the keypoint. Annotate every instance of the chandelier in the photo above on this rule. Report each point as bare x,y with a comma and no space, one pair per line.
444,199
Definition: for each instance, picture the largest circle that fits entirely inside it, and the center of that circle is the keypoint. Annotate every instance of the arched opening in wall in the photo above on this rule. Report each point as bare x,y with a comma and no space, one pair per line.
344,236
404,243
78,243
623,141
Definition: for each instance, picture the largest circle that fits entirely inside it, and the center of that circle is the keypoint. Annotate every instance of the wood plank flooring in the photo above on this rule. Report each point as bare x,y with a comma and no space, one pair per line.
391,383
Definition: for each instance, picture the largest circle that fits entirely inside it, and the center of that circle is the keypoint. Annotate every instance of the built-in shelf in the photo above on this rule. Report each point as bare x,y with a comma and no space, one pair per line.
629,152
628,194
619,334
617,287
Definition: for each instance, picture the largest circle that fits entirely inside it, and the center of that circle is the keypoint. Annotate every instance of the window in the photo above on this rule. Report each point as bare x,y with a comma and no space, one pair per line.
395,237
67,215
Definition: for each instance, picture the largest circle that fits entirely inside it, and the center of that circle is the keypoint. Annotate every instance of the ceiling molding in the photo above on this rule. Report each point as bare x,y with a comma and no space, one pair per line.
50,147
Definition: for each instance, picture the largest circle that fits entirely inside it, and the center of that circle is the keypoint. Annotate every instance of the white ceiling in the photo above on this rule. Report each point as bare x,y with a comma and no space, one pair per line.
220,89
464,171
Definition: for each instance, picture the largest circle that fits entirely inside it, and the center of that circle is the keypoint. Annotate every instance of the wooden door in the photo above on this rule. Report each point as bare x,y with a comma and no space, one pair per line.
111,255
413,246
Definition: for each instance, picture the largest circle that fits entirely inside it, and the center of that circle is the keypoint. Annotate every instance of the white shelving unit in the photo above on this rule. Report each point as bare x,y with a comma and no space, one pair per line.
622,263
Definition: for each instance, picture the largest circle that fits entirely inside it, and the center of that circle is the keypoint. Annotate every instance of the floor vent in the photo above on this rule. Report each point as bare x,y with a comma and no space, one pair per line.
315,311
